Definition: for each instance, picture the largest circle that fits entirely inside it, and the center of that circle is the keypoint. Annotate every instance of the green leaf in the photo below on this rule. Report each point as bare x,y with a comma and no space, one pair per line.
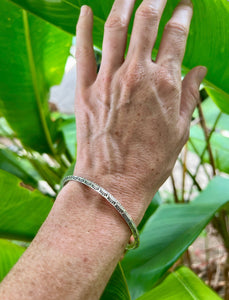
14,164
22,211
116,288
5,130
207,44
9,255
33,56
181,284
220,97
168,234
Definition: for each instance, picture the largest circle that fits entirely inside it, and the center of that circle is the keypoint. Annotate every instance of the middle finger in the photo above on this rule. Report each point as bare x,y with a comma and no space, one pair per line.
115,34
146,22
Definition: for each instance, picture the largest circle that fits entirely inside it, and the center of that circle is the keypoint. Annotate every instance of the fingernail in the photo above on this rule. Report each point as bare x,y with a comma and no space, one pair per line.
83,10
202,73
186,2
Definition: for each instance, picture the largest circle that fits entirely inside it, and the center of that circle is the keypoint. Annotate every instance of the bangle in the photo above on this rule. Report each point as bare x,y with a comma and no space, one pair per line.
115,203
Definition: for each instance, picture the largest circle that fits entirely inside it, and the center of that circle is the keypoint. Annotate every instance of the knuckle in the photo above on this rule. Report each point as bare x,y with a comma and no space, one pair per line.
81,94
177,29
148,12
167,81
133,74
104,81
185,136
194,93
82,51
80,26
116,22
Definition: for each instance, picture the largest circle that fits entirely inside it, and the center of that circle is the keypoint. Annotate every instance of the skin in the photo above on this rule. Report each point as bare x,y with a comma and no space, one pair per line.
133,119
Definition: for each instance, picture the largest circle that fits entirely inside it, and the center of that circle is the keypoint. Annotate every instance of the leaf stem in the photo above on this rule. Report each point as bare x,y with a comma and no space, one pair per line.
184,171
35,81
206,134
205,148
174,190
203,152
192,176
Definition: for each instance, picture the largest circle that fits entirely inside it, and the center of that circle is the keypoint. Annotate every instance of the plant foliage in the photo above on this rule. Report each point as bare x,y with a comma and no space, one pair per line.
37,147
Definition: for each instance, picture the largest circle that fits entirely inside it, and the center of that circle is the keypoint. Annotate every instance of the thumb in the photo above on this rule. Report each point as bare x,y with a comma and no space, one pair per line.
190,91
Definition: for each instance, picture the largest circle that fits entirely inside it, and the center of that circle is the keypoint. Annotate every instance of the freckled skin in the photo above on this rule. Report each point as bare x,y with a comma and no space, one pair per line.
132,121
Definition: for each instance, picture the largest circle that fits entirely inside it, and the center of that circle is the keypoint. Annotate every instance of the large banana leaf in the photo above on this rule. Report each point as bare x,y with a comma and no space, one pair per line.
33,55
22,211
208,41
181,284
9,254
167,235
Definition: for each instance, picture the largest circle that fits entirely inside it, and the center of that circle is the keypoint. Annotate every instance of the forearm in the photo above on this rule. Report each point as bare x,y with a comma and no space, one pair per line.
74,253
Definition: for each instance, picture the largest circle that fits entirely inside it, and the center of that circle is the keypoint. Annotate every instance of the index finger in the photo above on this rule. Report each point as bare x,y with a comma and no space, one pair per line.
85,58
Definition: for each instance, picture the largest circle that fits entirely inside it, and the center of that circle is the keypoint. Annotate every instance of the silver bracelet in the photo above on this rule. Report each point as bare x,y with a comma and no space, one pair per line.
115,203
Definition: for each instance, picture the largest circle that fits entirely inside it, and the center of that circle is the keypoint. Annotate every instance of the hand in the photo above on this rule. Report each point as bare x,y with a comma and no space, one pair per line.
133,117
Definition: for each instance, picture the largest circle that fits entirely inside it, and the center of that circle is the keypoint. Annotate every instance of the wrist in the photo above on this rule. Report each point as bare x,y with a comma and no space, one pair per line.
104,223
127,190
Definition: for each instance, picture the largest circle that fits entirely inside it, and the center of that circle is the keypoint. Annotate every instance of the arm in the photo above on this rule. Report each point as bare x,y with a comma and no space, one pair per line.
132,121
